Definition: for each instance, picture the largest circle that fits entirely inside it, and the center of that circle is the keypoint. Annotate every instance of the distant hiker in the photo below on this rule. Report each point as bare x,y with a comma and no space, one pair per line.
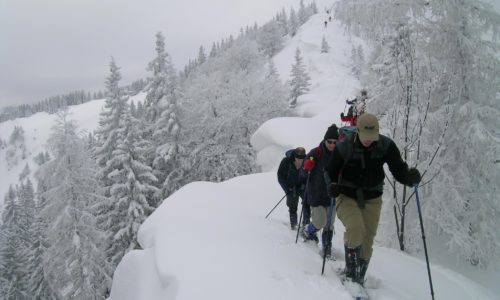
292,181
357,107
357,174
326,23
329,18
317,194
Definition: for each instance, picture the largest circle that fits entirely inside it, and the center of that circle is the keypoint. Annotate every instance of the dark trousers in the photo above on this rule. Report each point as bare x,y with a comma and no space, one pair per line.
292,201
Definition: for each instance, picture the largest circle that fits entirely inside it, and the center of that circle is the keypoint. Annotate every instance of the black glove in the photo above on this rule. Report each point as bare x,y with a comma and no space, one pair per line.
334,190
413,177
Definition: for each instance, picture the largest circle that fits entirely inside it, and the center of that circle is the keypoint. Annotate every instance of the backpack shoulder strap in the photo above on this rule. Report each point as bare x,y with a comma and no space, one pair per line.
346,150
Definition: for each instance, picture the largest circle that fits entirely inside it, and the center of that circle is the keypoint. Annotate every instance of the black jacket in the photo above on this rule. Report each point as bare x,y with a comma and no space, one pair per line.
289,177
316,193
364,170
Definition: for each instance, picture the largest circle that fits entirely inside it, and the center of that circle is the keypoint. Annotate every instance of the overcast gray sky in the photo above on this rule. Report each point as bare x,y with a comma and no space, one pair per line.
51,47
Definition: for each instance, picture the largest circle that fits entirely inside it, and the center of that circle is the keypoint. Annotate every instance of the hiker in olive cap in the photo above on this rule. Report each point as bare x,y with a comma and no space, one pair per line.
357,174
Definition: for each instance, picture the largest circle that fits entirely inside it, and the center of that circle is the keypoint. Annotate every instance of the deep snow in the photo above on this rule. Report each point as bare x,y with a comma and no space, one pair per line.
211,240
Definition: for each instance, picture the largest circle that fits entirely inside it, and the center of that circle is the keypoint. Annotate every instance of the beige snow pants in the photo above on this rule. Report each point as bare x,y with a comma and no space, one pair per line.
360,224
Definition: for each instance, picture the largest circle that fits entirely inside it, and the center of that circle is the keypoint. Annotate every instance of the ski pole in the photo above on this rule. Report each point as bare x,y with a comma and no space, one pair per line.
300,222
423,238
276,206
328,225
302,210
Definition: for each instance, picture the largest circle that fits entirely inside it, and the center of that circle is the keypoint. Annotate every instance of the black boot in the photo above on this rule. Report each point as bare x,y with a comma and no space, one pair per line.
363,266
326,241
352,264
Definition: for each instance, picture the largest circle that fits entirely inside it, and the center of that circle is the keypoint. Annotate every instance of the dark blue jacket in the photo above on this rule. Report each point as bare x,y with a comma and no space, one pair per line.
317,187
289,177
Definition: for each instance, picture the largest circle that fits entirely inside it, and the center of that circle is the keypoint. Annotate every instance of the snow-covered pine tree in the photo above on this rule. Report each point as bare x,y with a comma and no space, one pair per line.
16,149
302,14
282,20
325,48
26,223
202,57
277,92
109,123
25,172
213,51
158,82
165,127
12,261
270,38
39,282
228,98
132,189
299,79
39,159
293,23
74,262
108,135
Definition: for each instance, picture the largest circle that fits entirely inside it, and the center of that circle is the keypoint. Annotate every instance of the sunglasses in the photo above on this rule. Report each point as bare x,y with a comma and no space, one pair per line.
331,141
300,156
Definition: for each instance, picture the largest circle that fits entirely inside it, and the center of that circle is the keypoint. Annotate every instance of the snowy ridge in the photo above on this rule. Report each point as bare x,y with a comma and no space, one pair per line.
211,241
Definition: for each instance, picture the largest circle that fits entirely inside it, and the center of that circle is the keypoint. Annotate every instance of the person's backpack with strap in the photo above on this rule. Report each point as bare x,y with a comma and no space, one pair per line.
289,153
346,131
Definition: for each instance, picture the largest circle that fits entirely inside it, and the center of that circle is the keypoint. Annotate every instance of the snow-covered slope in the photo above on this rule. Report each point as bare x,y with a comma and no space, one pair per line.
37,130
211,240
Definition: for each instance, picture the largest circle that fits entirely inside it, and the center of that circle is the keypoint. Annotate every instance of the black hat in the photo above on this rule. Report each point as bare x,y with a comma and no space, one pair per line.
332,133
299,152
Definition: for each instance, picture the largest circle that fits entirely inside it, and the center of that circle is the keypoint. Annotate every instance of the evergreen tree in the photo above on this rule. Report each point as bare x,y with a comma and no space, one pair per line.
201,56
25,172
299,82
225,101
108,135
13,258
282,20
270,38
302,14
26,223
16,149
164,127
213,51
293,23
132,187
39,281
109,122
74,262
